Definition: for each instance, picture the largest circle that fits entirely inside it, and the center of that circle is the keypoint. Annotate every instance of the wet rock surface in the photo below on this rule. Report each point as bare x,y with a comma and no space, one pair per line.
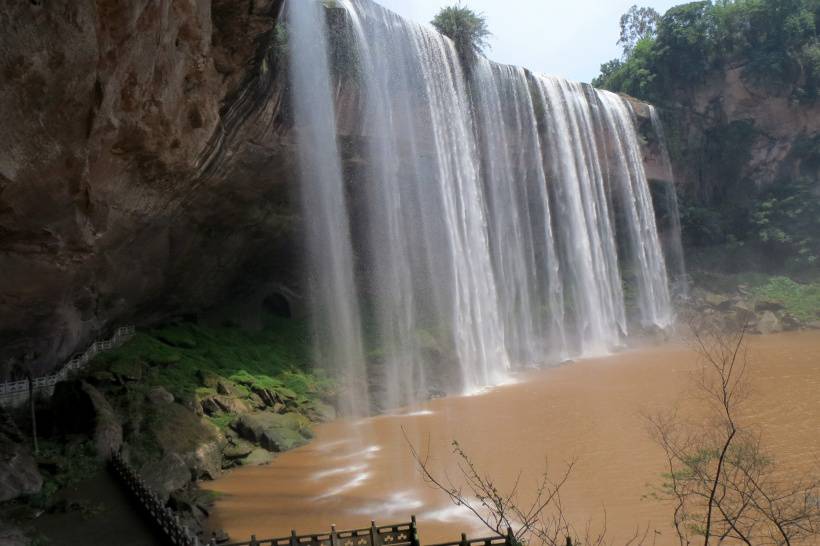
142,190
19,474
274,432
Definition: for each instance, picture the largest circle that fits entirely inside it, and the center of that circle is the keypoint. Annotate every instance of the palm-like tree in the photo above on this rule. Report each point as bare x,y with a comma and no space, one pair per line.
465,27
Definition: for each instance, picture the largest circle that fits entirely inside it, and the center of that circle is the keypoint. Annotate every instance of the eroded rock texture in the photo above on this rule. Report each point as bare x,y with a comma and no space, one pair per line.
731,136
142,167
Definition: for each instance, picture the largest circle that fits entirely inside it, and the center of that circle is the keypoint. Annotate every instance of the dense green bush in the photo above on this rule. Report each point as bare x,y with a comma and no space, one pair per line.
775,45
465,27
775,40
787,220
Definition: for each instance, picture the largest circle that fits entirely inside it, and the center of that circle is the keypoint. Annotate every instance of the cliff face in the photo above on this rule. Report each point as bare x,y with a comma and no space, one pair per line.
730,137
140,166
146,167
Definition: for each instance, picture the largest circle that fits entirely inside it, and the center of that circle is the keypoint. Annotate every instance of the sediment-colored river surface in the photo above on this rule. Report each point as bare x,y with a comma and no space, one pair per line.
590,411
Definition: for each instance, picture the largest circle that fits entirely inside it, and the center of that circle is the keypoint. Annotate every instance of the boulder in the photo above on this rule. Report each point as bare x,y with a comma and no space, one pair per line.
208,379
744,312
319,411
216,404
814,325
227,387
169,474
107,427
275,432
258,457
768,323
768,305
159,395
237,449
12,536
718,301
790,322
18,471
206,460
127,369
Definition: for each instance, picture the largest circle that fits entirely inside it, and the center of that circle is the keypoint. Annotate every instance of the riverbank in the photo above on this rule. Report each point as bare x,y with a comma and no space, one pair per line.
183,402
591,410
188,401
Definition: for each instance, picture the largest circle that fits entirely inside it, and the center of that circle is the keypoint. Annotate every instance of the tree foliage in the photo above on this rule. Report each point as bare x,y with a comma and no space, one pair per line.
465,27
787,220
637,24
775,48
725,486
776,42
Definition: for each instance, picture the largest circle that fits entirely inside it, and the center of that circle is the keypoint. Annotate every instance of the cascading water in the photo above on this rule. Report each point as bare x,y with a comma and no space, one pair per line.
334,303
674,244
530,291
588,254
493,210
432,270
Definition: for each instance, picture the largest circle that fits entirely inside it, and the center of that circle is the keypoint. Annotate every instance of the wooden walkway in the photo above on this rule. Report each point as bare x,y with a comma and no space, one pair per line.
176,534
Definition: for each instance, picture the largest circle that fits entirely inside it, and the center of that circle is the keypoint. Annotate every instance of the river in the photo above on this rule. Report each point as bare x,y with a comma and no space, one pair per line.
590,411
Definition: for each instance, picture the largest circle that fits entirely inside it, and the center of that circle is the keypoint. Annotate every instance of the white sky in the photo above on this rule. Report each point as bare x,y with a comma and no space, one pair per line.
569,38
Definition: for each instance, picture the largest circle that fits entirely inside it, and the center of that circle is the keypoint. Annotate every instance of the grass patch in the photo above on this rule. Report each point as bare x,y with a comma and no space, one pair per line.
800,300
179,356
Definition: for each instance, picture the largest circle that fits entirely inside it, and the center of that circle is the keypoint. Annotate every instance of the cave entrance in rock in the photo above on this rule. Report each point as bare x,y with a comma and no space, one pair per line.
277,305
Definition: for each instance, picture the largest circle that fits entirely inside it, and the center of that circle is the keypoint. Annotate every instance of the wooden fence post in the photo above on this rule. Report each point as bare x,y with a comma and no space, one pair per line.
334,540
293,540
511,537
33,413
414,532
374,534
463,539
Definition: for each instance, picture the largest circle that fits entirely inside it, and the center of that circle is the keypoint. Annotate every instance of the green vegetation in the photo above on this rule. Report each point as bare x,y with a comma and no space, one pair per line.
787,221
177,357
774,40
799,300
63,464
775,47
221,371
637,24
466,28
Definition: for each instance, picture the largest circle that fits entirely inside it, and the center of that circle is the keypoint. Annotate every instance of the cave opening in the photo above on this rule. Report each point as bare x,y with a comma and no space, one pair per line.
277,305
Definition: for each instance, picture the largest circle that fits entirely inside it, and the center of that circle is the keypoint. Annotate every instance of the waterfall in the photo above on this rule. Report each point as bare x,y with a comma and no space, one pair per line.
494,215
334,303
675,243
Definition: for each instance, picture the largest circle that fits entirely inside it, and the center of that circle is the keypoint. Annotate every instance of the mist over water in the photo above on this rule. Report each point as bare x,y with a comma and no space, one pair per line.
335,309
497,213
674,247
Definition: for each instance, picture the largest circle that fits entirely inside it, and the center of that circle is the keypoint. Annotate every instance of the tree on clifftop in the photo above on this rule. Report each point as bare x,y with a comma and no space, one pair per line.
465,27
637,24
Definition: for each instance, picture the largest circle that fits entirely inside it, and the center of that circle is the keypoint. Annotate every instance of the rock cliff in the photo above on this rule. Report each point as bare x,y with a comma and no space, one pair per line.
142,167
730,136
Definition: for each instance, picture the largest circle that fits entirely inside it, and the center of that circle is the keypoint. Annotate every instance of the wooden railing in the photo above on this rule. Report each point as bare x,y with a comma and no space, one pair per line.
403,534
497,540
167,522
16,393
162,517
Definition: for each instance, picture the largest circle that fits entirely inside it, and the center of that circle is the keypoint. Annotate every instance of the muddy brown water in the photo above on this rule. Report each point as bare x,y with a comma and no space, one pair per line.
589,411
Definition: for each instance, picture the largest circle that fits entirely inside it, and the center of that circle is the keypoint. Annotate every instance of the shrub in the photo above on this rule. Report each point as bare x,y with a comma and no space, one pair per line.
466,28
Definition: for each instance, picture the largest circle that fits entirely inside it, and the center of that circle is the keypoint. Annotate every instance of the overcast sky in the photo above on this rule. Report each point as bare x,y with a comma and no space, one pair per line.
569,38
